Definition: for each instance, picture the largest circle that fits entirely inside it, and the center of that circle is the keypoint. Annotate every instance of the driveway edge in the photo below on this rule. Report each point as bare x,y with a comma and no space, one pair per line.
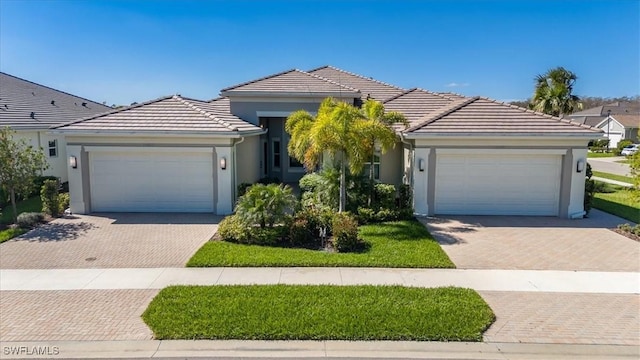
302,349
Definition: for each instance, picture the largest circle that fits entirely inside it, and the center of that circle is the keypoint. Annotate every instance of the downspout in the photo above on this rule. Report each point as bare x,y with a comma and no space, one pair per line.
403,140
235,169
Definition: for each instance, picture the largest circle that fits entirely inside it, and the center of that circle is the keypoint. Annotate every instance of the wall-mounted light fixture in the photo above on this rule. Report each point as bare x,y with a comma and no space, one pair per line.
421,164
73,162
223,163
580,165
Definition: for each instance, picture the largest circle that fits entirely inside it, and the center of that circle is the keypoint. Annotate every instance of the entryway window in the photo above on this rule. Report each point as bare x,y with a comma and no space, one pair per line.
53,148
276,153
376,167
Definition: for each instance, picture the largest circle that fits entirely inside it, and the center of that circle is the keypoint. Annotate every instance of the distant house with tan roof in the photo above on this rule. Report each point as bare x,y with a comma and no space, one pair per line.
460,155
619,120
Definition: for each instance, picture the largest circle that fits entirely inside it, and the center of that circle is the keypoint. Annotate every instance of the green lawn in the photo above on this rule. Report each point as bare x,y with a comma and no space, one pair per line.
605,175
620,203
294,312
10,234
393,244
600,154
33,204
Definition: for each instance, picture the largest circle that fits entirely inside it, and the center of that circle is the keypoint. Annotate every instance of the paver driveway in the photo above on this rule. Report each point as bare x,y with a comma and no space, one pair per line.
536,243
110,241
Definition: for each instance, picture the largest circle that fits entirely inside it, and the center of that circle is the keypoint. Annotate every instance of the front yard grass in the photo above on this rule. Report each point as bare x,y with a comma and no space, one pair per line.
394,244
626,179
620,203
32,204
10,233
294,312
600,154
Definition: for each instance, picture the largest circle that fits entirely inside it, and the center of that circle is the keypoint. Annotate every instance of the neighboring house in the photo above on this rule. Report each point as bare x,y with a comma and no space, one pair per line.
30,109
620,127
461,155
619,120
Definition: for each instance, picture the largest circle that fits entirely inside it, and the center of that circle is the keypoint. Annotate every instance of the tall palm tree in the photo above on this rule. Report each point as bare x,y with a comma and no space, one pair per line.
553,95
374,111
339,129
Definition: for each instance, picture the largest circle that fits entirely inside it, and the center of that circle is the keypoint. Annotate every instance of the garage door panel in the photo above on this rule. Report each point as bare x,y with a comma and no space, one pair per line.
151,182
497,184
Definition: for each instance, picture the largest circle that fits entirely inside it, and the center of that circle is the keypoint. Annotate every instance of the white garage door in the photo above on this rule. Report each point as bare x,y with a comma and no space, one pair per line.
497,184
151,181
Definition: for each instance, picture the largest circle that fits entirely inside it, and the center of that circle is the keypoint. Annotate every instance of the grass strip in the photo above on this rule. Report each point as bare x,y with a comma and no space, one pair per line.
619,203
626,179
7,234
394,244
33,204
295,312
600,154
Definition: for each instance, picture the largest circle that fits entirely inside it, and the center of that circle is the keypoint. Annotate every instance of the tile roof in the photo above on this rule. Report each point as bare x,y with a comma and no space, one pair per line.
482,116
628,120
617,107
415,104
20,98
171,114
368,86
291,83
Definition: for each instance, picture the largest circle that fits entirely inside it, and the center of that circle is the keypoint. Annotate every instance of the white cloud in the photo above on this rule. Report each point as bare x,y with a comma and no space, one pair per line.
455,84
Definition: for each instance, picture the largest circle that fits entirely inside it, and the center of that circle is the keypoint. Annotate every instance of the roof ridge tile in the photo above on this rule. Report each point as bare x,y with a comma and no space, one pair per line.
443,111
114,111
557,118
356,75
205,113
256,80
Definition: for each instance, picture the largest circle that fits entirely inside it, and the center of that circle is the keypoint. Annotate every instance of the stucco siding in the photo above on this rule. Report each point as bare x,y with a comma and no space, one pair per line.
391,166
40,139
250,111
248,160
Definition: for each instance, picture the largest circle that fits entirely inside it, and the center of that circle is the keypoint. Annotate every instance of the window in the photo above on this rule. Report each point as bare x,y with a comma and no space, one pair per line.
53,148
293,163
376,167
276,153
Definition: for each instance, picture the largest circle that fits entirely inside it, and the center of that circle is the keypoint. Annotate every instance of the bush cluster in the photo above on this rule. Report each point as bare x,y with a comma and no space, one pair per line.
28,220
599,145
345,233
635,230
621,145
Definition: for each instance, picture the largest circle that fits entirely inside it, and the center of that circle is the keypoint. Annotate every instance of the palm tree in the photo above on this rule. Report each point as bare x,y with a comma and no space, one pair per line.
338,129
374,111
553,95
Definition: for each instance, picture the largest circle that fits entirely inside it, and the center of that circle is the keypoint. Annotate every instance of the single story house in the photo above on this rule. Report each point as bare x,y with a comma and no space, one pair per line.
619,120
620,127
30,109
461,155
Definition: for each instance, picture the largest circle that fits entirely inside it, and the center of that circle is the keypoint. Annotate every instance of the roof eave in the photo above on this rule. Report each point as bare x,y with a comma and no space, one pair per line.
589,136
159,133
277,94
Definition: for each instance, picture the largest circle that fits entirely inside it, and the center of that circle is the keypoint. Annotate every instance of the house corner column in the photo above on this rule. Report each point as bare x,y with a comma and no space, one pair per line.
420,181
575,206
77,189
225,191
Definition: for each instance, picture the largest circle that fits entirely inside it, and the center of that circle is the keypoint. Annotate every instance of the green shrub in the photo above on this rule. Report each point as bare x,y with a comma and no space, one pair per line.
28,220
630,229
266,236
621,145
242,188
265,205
320,190
63,200
366,215
384,196
599,145
406,197
589,190
233,229
38,182
49,197
345,233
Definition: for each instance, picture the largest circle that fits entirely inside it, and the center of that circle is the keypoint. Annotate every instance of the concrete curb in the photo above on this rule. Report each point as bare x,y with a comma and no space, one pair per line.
309,349
614,182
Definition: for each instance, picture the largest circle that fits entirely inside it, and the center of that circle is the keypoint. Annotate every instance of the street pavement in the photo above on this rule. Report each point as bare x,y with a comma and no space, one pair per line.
610,165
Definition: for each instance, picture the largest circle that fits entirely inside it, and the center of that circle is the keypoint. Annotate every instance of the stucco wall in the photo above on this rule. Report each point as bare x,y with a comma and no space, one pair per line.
391,166
248,160
40,139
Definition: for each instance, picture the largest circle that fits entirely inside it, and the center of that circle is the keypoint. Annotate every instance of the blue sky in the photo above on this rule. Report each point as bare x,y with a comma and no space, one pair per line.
126,51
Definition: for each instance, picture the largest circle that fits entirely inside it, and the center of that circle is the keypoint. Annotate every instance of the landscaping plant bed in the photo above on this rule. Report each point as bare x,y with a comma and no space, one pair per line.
396,244
294,312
